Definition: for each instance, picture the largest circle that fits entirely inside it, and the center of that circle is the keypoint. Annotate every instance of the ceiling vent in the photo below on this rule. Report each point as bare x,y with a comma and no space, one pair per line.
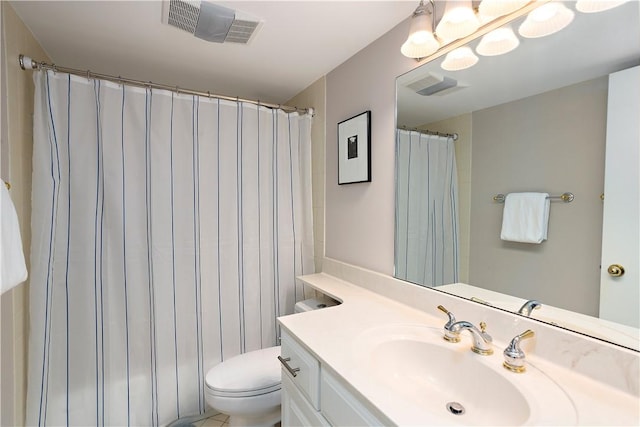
210,22
433,84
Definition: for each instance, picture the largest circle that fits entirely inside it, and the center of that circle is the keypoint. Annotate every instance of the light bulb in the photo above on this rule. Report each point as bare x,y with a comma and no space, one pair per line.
459,59
498,42
421,42
545,20
420,29
593,6
459,20
420,50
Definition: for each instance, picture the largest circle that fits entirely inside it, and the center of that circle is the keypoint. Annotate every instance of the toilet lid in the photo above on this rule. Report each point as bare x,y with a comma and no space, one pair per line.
255,372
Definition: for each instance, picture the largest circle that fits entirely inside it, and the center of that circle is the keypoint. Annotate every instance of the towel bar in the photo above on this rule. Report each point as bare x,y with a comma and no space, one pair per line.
565,197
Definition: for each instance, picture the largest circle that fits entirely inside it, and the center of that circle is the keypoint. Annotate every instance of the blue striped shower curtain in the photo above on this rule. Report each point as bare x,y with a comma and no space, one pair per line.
167,233
426,246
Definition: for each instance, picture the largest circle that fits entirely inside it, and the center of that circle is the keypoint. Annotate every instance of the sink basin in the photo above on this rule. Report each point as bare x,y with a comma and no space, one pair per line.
424,377
435,375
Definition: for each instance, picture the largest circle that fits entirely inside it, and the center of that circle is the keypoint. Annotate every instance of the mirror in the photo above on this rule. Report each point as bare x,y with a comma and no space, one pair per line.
531,120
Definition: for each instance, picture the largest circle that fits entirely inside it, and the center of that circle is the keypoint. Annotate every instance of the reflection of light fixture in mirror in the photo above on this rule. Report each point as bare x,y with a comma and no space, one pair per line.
459,59
497,8
421,42
592,6
546,19
497,42
459,20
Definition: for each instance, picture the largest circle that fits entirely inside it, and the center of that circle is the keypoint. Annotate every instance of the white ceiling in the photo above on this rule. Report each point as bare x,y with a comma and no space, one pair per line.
299,42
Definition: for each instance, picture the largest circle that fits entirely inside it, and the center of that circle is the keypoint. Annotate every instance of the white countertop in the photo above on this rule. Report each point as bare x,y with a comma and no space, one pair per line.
331,334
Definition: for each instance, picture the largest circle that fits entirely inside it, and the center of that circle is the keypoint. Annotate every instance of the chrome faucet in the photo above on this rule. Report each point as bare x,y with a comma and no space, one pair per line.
513,355
529,306
481,339
448,334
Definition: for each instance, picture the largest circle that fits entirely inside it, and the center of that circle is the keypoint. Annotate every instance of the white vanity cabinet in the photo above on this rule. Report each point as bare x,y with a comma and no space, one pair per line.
315,396
296,410
340,407
300,393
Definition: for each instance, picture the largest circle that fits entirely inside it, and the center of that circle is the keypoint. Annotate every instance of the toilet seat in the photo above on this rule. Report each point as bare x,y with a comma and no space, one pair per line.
249,374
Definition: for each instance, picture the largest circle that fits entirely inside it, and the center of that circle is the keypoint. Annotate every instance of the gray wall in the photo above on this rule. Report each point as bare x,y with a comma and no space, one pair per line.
360,217
553,142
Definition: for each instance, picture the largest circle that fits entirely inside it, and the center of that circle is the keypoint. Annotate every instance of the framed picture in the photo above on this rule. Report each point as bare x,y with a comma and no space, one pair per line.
354,149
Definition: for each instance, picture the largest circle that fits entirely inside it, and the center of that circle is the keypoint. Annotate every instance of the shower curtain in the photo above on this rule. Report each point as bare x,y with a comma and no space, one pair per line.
167,233
426,247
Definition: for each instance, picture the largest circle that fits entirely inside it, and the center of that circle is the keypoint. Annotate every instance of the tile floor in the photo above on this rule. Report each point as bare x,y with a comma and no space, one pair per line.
219,420
216,420
209,419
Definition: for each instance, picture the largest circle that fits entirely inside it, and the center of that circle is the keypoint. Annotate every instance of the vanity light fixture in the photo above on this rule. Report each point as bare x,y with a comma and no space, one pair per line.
459,59
545,20
498,42
421,41
459,20
593,6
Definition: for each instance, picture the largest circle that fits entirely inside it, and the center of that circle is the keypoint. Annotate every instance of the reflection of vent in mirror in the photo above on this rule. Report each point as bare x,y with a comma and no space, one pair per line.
424,82
433,84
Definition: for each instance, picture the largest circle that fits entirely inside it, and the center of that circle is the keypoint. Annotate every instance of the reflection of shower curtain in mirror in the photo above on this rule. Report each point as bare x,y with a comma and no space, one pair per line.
426,249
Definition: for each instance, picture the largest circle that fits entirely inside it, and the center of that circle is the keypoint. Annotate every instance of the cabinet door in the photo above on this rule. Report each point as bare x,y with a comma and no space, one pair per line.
307,377
341,407
296,411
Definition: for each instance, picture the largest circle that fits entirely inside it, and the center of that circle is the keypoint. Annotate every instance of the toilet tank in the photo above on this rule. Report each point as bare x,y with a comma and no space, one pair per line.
313,304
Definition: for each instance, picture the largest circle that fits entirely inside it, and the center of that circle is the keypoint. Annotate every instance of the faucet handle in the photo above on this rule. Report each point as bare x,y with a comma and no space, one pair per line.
513,355
483,332
449,334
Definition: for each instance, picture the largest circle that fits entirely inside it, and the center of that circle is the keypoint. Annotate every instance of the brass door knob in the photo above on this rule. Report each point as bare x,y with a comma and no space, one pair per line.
615,270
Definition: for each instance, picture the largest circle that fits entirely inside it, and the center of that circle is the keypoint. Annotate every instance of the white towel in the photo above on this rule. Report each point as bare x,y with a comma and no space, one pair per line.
14,270
525,217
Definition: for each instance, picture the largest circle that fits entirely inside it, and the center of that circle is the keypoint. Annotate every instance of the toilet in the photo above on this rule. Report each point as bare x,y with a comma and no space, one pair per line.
247,387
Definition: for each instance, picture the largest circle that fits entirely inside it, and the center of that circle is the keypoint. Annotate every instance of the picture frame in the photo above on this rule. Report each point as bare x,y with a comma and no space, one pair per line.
354,149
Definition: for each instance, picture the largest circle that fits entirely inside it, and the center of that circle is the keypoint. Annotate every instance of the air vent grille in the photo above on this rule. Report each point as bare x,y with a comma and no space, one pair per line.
184,14
425,82
210,21
433,84
241,31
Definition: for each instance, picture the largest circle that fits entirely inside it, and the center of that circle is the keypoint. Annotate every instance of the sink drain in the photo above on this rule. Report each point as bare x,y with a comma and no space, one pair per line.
455,408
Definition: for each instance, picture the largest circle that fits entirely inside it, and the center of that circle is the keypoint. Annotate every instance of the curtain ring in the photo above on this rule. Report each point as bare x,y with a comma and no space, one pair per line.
55,68
209,94
177,90
88,75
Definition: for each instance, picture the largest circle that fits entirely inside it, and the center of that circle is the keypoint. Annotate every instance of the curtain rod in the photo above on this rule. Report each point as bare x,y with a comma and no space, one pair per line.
27,63
433,132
